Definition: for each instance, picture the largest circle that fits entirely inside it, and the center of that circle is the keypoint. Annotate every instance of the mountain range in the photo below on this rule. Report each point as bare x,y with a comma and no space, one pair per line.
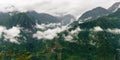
29,36
99,12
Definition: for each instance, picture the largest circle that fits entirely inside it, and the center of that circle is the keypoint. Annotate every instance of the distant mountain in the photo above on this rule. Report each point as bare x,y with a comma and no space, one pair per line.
99,12
47,18
94,13
42,17
66,19
111,21
114,7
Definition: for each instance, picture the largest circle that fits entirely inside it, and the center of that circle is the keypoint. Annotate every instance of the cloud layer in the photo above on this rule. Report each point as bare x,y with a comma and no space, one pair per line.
75,7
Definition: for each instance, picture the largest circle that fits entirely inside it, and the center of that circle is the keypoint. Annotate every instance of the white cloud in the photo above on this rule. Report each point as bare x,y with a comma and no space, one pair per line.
97,28
75,7
46,26
11,34
69,38
72,34
50,33
115,31
75,31
42,26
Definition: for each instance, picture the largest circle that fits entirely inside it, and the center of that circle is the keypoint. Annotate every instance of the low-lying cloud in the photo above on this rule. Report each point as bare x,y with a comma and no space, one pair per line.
74,33
10,34
46,26
97,28
49,33
115,31
71,34
69,38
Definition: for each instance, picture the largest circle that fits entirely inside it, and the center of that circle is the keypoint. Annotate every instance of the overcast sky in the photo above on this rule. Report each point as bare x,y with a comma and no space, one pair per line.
75,7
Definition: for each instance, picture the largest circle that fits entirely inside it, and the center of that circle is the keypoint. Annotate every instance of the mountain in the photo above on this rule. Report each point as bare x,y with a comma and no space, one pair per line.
42,17
96,39
94,13
17,19
22,20
114,7
47,18
112,21
116,14
66,19
99,12
107,22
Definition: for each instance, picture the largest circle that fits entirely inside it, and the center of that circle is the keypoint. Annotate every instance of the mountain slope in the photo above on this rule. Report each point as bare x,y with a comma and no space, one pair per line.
22,20
114,7
4,18
110,21
99,12
42,17
47,18
66,19
95,39
94,13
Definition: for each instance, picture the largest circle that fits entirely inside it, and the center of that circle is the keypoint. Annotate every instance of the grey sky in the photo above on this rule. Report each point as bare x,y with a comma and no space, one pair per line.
75,7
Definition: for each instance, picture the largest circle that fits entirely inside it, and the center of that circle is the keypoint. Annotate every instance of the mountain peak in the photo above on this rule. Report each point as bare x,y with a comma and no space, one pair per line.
98,8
